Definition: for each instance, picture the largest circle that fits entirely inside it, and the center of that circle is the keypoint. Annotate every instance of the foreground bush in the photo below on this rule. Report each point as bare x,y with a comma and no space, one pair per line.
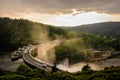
112,73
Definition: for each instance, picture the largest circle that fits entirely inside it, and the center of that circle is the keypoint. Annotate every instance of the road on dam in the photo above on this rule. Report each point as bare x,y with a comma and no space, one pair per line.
42,50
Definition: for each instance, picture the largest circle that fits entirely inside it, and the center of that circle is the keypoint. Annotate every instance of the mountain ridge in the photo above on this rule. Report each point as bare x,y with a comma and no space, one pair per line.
103,28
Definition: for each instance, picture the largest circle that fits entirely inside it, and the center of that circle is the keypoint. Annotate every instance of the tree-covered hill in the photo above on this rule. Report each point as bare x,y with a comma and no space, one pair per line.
18,32
15,33
104,28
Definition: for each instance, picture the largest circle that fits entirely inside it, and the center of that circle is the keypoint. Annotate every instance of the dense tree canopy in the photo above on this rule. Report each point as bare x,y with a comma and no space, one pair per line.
112,73
18,32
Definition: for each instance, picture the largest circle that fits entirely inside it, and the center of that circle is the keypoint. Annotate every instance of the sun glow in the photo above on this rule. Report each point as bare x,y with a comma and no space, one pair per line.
74,18
80,18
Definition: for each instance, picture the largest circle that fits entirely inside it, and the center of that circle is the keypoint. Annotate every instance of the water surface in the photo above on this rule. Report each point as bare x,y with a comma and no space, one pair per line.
6,63
98,65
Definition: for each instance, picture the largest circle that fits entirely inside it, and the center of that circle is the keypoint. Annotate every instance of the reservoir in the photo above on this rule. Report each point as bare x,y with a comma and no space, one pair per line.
6,63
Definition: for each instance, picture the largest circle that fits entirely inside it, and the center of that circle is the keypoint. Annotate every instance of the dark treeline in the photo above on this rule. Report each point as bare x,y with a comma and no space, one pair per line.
99,36
25,73
109,29
80,46
15,33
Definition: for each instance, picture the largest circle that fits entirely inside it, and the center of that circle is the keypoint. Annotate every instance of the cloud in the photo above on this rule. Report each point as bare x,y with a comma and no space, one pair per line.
60,6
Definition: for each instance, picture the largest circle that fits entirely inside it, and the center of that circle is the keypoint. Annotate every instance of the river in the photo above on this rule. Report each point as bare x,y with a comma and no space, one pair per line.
6,63
98,65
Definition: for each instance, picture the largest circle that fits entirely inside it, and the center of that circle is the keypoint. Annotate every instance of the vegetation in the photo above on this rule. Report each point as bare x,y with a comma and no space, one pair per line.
101,42
15,33
80,47
70,49
109,29
25,73
106,34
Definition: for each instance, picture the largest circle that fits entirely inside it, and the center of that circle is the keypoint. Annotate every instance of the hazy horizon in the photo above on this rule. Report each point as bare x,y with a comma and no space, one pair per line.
62,12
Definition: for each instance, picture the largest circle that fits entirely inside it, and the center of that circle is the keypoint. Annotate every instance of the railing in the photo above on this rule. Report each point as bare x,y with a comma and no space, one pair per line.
32,49
34,62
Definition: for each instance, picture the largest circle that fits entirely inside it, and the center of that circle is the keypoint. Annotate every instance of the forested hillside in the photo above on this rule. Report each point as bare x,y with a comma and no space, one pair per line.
110,29
99,36
76,46
15,33
18,32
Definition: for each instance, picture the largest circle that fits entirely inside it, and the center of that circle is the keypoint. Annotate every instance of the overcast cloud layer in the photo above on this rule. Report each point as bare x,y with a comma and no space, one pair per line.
56,6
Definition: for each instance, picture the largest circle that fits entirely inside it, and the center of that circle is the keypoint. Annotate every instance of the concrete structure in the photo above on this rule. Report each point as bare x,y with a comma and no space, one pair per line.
32,56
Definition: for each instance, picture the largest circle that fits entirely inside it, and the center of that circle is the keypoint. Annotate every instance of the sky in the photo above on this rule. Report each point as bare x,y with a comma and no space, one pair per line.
62,12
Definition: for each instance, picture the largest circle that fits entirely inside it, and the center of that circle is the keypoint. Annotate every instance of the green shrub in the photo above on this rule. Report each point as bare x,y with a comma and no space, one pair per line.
12,77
